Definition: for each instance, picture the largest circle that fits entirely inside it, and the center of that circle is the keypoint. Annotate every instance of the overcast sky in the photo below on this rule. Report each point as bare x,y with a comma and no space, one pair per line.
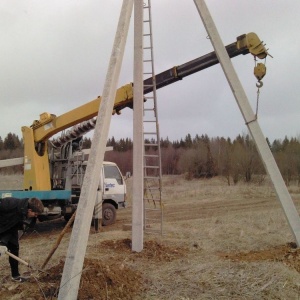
54,57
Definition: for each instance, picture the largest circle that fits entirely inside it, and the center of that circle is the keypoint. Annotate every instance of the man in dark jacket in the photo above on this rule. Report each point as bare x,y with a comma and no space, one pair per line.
14,213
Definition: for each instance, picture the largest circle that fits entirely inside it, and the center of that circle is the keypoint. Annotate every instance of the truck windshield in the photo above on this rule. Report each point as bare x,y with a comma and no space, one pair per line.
113,172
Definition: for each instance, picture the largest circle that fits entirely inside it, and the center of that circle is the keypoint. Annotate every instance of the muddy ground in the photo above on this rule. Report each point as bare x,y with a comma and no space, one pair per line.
218,242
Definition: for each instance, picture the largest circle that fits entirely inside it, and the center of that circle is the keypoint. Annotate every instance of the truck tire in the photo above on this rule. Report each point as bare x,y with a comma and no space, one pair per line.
67,217
108,214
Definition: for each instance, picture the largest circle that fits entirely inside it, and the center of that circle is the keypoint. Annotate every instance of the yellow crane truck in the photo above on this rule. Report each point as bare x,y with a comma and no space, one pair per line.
51,176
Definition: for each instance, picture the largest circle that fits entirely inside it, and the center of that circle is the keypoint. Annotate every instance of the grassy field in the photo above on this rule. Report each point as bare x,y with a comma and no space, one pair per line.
218,242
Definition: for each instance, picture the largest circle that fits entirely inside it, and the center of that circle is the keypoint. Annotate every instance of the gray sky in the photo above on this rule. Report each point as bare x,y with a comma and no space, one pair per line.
54,57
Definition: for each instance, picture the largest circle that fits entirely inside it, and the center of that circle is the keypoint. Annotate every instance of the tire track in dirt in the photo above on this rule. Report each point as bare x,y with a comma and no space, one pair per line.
178,212
194,211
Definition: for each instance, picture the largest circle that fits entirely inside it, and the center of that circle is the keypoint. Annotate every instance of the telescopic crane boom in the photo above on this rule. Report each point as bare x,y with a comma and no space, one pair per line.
36,161
246,43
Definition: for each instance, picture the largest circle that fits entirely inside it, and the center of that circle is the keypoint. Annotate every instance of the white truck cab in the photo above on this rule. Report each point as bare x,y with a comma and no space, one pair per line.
112,189
111,194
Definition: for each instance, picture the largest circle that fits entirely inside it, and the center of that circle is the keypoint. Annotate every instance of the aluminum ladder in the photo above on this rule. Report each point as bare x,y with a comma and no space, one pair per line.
153,206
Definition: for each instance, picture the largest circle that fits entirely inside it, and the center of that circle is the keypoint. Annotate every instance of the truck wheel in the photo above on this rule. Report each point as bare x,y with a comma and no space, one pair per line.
67,217
108,214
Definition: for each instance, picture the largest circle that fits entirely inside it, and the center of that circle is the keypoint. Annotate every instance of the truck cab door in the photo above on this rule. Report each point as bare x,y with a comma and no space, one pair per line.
114,185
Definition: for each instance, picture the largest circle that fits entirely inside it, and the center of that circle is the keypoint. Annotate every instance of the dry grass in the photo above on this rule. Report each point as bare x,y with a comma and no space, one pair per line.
211,231
13,182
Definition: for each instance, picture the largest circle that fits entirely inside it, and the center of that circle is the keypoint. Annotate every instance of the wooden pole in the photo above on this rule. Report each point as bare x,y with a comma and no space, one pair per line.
23,262
18,259
59,240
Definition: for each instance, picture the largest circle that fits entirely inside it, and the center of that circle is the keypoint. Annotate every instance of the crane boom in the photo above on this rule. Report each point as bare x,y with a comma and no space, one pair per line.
246,43
36,162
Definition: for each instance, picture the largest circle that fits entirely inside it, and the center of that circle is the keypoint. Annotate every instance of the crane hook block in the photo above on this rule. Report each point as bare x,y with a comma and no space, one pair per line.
260,71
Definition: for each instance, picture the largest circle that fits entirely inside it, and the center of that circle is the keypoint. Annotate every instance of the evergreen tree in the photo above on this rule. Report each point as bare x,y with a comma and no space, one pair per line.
285,143
276,146
11,142
111,142
269,144
188,141
164,143
86,143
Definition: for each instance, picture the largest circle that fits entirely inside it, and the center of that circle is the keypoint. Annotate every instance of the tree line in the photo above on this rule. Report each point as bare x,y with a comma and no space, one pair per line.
195,157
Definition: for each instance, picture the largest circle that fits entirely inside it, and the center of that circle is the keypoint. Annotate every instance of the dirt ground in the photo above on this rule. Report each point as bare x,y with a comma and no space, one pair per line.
218,242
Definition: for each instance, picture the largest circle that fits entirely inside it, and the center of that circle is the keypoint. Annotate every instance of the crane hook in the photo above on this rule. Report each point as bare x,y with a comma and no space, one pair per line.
259,84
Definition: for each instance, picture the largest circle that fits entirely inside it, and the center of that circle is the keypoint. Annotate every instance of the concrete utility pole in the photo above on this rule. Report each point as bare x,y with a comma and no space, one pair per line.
77,247
251,121
138,136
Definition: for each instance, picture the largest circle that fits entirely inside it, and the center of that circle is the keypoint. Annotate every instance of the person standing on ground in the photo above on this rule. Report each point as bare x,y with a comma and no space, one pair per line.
14,214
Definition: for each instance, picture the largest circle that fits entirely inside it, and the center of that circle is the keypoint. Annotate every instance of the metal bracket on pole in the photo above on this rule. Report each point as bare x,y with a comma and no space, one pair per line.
268,160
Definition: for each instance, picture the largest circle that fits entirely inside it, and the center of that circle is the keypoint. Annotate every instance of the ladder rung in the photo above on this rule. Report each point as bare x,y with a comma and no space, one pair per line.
149,145
152,227
147,60
152,183
151,167
145,48
153,200
153,231
149,226
153,189
150,133
151,177
158,208
157,199
152,209
150,155
157,195
147,34
155,220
